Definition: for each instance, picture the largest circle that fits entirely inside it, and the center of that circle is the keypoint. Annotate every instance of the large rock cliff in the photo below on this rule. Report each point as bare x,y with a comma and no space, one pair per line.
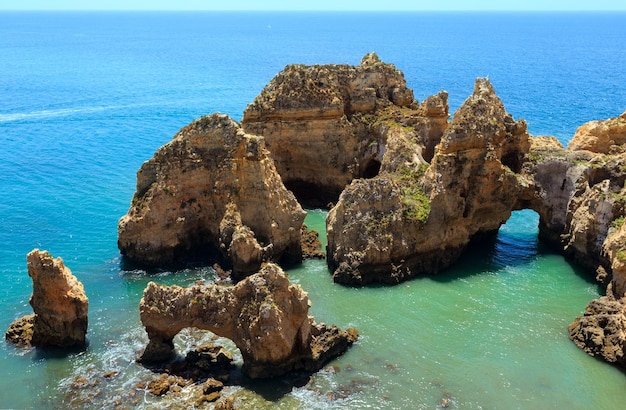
59,303
411,189
322,122
212,191
416,217
597,235
264,315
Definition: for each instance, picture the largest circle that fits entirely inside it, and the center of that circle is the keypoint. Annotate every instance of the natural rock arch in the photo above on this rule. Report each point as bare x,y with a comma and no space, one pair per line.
439,183
264,315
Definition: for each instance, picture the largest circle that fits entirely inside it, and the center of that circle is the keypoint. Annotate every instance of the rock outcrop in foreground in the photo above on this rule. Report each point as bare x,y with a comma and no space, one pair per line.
211,192
325,124
264,315
59,303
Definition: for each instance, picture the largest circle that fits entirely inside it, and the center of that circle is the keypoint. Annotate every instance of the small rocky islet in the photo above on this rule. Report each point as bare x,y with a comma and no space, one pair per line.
408,189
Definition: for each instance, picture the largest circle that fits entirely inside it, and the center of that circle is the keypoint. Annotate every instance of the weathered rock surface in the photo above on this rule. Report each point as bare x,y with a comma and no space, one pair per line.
264,315
580,197
20,332
415,217
212,191
601,330
411,192
59,303
321,123
602,136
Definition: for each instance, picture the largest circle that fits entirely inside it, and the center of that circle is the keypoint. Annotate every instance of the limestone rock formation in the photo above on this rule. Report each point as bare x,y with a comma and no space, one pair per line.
580,196
416,217
321,123
59,303
602,136
212,191
601,330
264,315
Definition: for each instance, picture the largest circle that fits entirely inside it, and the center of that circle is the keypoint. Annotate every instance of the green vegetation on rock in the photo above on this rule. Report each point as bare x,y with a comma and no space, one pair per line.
416,203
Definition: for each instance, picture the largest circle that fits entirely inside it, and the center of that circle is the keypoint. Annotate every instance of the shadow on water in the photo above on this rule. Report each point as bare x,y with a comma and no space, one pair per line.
276,388
51,352
492,253
271,389
189,261
516,243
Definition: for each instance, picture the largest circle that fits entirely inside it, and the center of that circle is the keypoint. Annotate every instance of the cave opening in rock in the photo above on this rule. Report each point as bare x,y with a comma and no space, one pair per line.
517,241
371,169
313,196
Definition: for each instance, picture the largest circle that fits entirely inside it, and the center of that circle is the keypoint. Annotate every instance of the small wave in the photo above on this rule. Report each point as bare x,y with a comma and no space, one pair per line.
63,112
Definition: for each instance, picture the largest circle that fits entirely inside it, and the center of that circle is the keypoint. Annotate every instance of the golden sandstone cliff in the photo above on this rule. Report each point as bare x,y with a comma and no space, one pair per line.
408,189
211,192
318,122
415,217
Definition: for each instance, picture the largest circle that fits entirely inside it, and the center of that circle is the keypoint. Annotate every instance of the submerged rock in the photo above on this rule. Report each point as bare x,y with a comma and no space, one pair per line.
212,191
59,303
264,315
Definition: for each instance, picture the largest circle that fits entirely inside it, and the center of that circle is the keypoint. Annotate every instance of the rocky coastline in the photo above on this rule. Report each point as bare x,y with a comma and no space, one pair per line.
408,189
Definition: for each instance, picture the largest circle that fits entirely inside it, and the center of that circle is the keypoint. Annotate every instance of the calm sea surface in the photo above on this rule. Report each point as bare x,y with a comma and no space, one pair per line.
85,98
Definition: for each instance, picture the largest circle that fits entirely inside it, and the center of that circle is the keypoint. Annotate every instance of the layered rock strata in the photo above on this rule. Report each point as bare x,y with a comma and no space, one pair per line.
416,217
320,123
59,303
213,191
264,315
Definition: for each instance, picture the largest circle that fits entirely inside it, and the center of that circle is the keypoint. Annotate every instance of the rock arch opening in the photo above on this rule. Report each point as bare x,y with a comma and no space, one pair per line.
517,241
264,315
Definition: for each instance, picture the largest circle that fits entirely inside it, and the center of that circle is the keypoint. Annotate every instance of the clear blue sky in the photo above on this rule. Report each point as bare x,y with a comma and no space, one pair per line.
367,5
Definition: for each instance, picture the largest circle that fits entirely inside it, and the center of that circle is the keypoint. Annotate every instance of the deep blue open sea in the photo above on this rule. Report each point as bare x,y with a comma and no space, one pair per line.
85,98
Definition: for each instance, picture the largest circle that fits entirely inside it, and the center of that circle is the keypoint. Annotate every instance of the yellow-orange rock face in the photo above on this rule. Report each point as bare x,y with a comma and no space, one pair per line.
264,315
602,136
59,303
213,190
320,123
416,217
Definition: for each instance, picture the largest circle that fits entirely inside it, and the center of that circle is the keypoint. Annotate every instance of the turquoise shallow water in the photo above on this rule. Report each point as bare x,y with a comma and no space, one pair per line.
85,98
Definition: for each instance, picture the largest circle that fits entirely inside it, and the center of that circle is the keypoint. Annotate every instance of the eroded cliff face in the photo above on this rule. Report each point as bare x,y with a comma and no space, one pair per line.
322,123
416,217
598,238
212,191
264,315
59,303
411,190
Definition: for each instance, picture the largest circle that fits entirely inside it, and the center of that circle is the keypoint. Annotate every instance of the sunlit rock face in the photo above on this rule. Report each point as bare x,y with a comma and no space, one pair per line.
59,303
322,123
213,191
264,315
416,217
